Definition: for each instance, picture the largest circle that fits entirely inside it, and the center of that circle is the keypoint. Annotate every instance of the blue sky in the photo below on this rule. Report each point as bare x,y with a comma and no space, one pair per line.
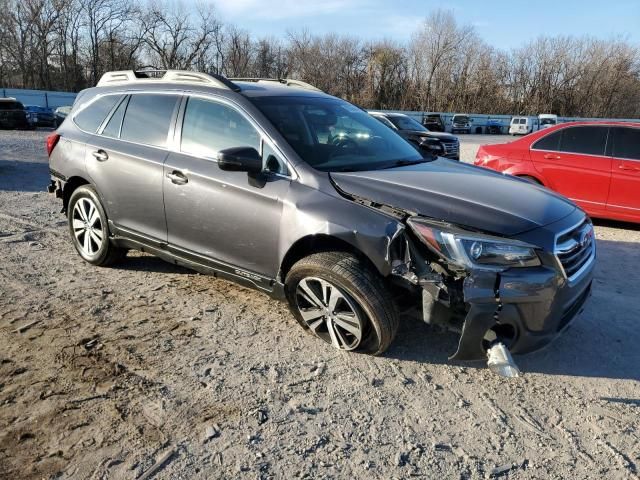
503,24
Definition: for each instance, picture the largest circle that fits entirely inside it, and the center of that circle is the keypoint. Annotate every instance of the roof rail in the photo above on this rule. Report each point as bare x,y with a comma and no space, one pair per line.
285,81
182,76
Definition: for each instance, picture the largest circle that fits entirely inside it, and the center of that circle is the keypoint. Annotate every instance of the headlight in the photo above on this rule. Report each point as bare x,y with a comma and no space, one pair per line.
472,250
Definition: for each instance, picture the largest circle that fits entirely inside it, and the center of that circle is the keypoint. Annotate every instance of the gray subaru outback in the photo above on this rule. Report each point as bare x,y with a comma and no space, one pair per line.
279,186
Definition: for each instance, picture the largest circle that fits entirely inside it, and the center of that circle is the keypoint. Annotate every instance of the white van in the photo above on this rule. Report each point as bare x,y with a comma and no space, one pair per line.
546,120
521,126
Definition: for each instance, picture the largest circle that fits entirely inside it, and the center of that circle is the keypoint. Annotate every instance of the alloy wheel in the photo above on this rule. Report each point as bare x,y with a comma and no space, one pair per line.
329,313
87,226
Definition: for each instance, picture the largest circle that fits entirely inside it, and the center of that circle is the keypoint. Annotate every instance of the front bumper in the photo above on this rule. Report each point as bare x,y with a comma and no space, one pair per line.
524,308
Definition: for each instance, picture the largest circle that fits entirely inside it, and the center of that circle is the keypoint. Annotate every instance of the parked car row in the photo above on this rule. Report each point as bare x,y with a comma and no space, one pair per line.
323,205
526,125
595,164
436,143
464,123
15,115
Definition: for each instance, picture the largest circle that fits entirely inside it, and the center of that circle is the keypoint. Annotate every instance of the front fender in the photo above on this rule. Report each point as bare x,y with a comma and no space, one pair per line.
309,212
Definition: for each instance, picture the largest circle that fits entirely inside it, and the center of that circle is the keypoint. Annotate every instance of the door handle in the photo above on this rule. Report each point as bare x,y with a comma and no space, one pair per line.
626,167
100,155
177,177
551,156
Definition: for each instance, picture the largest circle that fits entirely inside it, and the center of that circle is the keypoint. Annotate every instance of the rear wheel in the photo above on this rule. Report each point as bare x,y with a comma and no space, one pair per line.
340,299
89,229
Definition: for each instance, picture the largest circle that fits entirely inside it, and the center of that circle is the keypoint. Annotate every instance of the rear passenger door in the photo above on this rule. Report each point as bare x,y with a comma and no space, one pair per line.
125,159
230,220
624,148
573,162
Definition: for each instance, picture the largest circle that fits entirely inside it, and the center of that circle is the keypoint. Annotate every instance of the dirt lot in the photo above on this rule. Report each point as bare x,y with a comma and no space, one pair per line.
147,369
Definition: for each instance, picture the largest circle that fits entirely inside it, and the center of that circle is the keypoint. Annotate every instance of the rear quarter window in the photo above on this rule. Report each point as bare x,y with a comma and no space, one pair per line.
92,116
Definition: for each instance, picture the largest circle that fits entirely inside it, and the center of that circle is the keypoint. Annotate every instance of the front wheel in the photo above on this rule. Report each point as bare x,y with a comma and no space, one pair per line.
341,299
89,229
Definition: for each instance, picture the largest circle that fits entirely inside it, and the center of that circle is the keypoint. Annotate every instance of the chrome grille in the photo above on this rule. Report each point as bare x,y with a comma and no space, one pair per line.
576,249
451,148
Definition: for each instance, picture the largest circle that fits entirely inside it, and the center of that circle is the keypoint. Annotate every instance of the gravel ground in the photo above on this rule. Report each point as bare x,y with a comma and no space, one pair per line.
146,369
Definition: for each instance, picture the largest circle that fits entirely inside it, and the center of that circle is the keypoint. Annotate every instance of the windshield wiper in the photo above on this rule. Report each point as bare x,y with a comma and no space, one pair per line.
404,163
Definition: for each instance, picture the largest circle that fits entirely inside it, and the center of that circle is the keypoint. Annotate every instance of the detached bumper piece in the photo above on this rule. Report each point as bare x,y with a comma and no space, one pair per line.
500,361
521,309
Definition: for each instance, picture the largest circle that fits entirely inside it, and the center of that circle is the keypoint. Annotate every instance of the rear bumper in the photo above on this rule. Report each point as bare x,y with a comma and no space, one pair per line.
525,308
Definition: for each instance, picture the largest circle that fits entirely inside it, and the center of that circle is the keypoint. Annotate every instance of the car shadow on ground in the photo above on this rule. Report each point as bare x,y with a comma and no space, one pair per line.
604,341
18,176
616,224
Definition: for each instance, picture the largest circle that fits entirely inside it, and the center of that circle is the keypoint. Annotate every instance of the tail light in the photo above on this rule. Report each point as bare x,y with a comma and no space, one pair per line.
52,141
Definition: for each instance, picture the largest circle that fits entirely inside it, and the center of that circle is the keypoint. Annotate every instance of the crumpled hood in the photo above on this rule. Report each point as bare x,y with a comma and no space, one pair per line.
461,194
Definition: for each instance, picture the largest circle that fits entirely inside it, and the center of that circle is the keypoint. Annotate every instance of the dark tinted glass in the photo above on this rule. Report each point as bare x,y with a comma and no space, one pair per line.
625,142
112,129
11,106
147,119
90,118
589,140
549,142
209,127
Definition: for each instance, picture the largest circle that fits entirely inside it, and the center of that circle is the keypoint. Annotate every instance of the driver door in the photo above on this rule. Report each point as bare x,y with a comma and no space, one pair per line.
228,219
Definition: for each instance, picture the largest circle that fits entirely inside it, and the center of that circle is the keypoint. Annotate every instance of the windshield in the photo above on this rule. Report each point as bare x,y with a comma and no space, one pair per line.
461,119
332,135
406,123
11,106
547,121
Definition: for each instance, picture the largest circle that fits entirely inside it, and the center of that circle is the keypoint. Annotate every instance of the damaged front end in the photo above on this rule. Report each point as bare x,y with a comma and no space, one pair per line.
502,295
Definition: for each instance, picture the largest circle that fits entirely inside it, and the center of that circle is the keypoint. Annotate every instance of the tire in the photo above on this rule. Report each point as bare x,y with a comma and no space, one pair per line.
363,292
530,179
89,228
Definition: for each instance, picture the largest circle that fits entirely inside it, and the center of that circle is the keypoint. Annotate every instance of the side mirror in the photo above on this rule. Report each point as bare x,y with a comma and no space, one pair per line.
240,159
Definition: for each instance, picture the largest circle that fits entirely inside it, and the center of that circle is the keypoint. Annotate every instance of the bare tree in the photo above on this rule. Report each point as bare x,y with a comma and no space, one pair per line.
103,17
445,66
175,37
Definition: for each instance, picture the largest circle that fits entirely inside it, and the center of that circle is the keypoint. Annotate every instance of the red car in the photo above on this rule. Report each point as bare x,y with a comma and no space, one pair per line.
595,164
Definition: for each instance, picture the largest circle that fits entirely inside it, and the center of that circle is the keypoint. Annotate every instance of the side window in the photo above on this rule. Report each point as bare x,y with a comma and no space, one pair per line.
272,161
625,142
587,140
90,118
209,127
112,128
147,119
549,142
